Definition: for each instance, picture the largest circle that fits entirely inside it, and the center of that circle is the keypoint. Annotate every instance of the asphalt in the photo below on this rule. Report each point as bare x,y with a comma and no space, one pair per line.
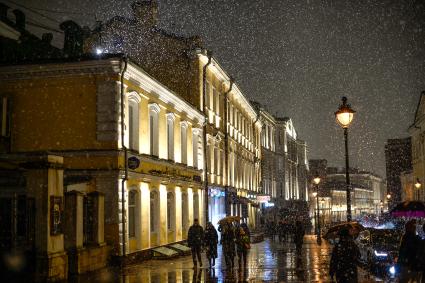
268,261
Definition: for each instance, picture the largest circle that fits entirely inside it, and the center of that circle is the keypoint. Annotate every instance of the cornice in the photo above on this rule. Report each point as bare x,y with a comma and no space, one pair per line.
56,70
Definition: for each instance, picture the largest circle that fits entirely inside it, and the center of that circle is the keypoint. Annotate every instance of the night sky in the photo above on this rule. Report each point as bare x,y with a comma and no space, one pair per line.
299,57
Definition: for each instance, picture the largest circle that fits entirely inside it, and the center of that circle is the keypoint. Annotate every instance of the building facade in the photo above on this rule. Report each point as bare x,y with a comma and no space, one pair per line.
417,157
398,159
231,131
114,137
368,192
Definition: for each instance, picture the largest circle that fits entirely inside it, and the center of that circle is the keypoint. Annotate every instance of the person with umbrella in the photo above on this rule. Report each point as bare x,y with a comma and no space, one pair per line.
242,246
228,242
345,258
210,242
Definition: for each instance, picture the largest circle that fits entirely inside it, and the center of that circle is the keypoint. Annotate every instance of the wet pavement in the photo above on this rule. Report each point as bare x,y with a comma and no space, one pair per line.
268,261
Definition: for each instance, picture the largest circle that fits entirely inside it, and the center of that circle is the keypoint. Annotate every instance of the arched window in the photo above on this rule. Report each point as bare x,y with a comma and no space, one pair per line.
133,117
185,212
183,130
170,136
132,213
195,206
153,129
154,211
171,212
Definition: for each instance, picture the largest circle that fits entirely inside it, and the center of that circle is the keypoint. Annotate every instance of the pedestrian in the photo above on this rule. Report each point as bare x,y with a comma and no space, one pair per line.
281,229
345,258
228,243
299,236
194,240
408,256
210,242
242,245
246,229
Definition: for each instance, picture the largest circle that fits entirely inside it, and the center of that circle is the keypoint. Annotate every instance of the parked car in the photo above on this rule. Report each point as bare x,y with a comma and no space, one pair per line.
379,249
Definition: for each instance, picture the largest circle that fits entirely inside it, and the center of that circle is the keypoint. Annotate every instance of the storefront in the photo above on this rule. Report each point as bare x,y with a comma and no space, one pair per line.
216,205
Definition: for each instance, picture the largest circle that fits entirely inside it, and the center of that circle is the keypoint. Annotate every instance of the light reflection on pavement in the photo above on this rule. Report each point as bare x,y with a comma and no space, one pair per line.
267,262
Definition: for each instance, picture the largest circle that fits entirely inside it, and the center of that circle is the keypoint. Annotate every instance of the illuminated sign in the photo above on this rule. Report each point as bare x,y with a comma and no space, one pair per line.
263,199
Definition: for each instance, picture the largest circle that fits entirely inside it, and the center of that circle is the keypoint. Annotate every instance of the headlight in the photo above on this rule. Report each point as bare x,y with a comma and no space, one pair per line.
381,254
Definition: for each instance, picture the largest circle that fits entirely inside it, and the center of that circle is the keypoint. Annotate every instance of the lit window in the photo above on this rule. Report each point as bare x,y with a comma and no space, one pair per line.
132,210
183,142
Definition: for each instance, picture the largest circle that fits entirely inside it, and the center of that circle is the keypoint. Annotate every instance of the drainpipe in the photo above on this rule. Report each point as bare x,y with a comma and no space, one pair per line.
124,148
226,144
204,94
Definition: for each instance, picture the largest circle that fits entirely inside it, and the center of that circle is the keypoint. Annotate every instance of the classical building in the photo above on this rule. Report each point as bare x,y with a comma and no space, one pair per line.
368,192
398,159
417,157
231,131
293,192
100,130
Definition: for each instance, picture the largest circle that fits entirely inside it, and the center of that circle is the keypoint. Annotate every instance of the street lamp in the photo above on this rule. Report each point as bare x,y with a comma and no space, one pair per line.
344,116
316,181
418,185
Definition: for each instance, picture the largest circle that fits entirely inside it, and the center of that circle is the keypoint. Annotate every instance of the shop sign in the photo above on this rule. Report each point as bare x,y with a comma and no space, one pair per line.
216,193
263,199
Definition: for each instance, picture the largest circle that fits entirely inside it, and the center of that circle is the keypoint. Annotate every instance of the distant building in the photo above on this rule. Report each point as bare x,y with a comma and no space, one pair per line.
408,192
367,192
398,159
417,157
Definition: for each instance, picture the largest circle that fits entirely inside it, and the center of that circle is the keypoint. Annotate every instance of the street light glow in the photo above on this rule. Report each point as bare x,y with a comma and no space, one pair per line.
418,184
316,180
344,115
314,194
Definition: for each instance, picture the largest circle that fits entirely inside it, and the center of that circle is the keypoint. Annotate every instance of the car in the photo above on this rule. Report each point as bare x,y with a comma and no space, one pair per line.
379,249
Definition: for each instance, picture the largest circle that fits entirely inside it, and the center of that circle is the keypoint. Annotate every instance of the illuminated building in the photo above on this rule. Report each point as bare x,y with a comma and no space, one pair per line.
398,159
416,131
231,131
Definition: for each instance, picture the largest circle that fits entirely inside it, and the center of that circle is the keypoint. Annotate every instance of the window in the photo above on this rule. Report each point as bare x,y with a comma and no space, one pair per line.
207,94
195,206
170,136
183,130
132,198
195,145
133,124
185,212
4,117
170,211
154,206
217,101
153,129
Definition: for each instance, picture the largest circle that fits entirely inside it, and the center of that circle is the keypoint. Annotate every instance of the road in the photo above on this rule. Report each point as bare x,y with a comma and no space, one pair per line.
268,261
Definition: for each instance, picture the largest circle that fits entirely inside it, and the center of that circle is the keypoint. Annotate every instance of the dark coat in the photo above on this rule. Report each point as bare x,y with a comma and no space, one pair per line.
211,241
408,251
299,234
344,261
195,236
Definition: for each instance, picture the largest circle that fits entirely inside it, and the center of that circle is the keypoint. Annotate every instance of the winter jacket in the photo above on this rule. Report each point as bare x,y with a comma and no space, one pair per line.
211,241
195,236
344,261
408,251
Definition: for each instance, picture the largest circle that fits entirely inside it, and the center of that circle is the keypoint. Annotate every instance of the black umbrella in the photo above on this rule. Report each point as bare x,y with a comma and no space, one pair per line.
409,209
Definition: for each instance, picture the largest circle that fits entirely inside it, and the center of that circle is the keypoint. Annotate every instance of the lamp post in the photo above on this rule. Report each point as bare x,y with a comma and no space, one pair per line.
316,181
344,116
418,186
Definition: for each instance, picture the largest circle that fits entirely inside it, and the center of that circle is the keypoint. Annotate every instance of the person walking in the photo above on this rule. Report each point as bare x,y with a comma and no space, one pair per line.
408,257
242,246
299,236
345,258
228,242
194,240
421,253
210,242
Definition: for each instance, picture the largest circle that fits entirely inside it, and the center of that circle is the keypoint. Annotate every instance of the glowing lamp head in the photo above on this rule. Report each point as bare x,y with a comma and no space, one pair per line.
388,196
316,180
99,50
314,194
344,116
418,184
